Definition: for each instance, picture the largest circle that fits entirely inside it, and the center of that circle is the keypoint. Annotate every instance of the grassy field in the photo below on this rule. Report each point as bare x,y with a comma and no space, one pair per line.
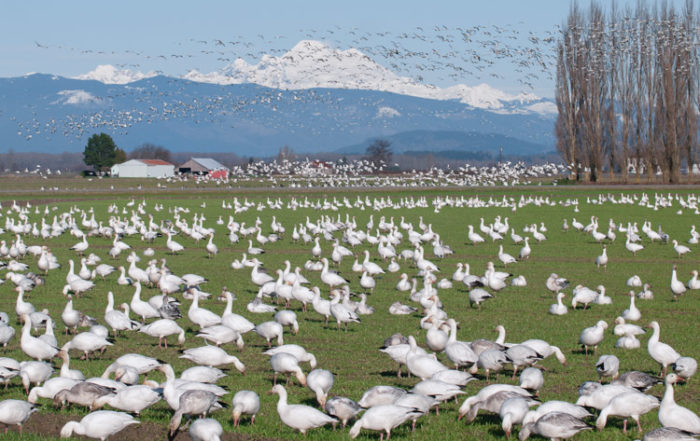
353,356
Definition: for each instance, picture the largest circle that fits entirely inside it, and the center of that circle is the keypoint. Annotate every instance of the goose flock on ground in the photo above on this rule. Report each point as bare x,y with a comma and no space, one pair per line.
442,370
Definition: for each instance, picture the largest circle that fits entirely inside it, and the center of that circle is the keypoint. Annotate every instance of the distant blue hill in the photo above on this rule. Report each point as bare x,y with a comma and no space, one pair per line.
45,113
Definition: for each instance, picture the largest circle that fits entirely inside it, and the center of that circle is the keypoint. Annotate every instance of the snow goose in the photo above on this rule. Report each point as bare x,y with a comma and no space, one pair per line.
331,278
245,402
212,356
436,389
298,416
555,406
627,405
22,307
632,313
84,393
342,408
458,352
680,249
504,257
50,388
677,287
66,371
583,294
297,351
35,347
173,246
254,251
192,402
521,355
320,382
646,293
597,396
383,418
558,308
471,405
668,434
269,330
100,424
545,349
134,399
685,367
491,360
601,298
512,411
206,429
372,268
633,247
694,282
525,250
607,366
593,336
342,314
141,308
285,363
35,372
531,379
87,342
673,415
555,425
638,380
436,338
555,283
202,374
420,365
378,395
602,260
162,329
478,296
117,320
122,279
201,316
664,354
220,334
634,281
474,237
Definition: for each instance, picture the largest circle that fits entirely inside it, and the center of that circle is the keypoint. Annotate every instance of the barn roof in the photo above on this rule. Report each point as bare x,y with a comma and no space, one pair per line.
210,163
154,162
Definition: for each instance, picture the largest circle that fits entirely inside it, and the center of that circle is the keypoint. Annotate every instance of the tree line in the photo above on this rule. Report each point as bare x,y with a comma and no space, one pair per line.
627,90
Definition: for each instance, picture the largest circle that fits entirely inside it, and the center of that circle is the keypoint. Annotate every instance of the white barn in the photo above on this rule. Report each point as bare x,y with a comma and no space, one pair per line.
143,168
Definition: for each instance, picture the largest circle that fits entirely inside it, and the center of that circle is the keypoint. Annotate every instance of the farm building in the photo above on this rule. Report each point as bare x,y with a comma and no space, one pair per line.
204,166
144,168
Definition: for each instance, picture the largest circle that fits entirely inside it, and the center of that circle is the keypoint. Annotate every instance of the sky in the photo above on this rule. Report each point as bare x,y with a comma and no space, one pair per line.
69,38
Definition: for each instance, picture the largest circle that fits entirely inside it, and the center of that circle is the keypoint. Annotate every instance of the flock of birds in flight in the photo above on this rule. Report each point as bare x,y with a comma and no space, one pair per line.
400,246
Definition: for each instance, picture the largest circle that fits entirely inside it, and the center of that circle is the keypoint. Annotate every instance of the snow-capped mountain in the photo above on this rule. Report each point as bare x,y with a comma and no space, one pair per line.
108,74
312,64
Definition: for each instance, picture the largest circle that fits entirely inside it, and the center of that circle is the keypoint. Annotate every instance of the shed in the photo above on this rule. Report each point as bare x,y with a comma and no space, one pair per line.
144,168
204,166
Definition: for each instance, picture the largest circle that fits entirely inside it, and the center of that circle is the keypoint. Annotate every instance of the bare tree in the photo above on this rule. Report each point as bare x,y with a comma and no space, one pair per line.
150,151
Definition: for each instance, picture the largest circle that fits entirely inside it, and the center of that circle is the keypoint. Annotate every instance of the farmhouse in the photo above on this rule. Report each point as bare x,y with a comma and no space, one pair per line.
144,168
204,166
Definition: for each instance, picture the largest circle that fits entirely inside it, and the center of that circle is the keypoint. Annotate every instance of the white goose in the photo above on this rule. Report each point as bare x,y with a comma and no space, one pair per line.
16,412
320,382
117,320
331,278
677,287
269,330
100,424
664,354
173,246
162,329
285,363
593,336
212,356
298,416
245,402
673,415
558,308
206,429
201,316
420,365
35,347
627,405
383,418
633,313
504,257
141,308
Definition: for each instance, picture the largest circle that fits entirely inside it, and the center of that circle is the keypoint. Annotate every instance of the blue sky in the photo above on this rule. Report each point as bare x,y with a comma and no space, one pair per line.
144,35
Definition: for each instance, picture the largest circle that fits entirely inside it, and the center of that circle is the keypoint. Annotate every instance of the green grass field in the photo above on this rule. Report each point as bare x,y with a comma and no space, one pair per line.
353,356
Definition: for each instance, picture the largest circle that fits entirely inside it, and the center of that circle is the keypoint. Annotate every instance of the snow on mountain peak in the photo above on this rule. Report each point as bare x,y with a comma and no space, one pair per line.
108,74
313,64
